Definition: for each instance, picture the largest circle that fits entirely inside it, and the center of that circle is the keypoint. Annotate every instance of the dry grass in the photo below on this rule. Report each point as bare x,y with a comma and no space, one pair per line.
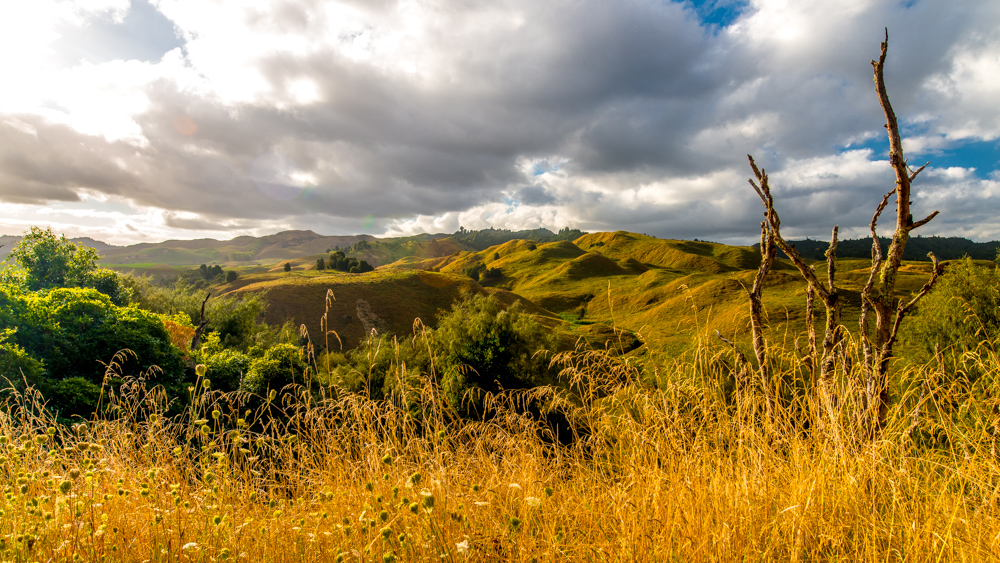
681,471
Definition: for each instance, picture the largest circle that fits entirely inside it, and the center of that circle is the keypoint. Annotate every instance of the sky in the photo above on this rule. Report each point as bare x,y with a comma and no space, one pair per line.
145,120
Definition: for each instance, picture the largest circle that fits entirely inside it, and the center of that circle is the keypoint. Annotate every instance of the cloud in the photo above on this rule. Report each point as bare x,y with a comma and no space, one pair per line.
426,116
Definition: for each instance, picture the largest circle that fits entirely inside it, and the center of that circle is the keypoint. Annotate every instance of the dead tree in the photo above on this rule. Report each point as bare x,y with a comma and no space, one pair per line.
201,325
879,291
768,253
827,293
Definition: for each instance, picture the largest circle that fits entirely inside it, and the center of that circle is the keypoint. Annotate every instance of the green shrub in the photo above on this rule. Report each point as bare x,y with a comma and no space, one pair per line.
226,369
484,346
279,366
961,312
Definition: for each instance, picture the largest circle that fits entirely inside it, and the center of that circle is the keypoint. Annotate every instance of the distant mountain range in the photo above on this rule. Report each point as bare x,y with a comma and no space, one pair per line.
292,245
945,248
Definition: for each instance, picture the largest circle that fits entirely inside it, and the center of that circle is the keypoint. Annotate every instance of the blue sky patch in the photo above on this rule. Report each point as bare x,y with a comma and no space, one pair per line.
719,13
145,35
984,156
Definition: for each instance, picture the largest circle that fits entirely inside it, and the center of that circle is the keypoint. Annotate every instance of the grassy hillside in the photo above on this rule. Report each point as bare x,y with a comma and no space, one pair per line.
664,291
387,299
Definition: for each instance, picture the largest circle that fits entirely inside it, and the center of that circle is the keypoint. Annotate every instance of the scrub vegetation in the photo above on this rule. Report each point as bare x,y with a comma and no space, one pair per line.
586,397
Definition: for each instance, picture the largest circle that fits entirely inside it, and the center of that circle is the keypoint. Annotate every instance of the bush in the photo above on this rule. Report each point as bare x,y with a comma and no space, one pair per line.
69,331
483,346
962,311
280,365
226,369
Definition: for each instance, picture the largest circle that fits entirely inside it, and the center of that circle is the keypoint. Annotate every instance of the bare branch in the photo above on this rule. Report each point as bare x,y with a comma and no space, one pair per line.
923,221
904,309
913,176
831,254
201,325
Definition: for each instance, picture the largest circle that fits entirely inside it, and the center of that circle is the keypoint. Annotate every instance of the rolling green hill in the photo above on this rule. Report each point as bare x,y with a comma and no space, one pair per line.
609,288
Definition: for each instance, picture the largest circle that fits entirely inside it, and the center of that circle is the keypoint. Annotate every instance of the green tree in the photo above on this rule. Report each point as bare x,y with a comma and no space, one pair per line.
485,346
50,261
288,267
47,261
231,276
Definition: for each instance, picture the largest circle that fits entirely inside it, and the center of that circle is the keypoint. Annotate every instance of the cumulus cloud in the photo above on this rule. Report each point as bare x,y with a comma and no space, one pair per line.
398,117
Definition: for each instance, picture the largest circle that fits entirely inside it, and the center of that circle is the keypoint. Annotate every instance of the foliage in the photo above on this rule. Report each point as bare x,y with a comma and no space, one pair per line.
917,247
15,364
226,368
236,320
47,261
69,331
483,346
280,366
287,267
343,263
961,312
483,239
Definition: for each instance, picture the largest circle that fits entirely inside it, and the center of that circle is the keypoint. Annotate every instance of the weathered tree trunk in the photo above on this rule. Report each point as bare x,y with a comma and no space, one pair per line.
768,253
201,325
827,293
879,291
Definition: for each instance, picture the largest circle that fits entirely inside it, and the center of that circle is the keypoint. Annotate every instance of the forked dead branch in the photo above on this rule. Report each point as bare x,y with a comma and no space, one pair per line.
879,293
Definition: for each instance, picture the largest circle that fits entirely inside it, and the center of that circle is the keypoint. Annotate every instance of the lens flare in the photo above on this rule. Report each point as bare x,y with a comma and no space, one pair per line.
185,125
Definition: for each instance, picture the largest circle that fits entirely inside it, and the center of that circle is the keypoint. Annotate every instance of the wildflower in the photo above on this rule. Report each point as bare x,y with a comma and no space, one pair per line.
414,480
533,502
462,546
515,487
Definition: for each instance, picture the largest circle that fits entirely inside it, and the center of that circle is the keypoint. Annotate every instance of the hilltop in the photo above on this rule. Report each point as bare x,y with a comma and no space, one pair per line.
623,290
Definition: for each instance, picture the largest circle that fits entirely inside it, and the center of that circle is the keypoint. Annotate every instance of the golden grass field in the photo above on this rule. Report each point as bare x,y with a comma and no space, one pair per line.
667,467
660,457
